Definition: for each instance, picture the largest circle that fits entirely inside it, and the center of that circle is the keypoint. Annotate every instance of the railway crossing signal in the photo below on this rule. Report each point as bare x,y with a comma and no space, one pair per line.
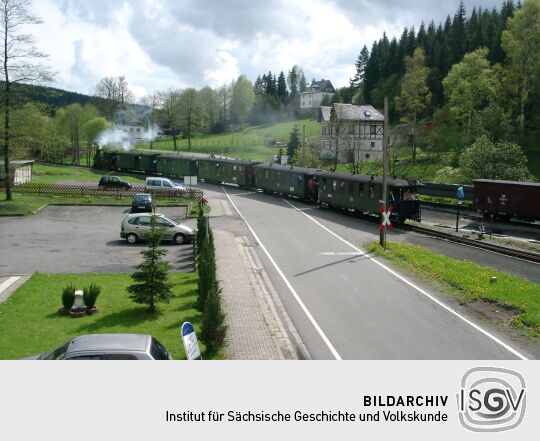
386,218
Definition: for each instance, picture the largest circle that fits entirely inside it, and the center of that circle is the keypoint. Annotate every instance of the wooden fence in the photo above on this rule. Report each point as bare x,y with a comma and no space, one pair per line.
94,191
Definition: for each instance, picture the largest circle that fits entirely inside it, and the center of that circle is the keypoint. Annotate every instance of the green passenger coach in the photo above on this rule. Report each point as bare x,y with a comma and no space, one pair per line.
228,171
176,166
364,193
137,161
285,179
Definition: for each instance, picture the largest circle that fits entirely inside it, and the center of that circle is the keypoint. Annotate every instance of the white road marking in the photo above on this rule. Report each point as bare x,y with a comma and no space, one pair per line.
294,293
346,253
7,283
420,290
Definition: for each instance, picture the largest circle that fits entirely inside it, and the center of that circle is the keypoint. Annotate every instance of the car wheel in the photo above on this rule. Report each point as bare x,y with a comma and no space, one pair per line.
179,239
132,238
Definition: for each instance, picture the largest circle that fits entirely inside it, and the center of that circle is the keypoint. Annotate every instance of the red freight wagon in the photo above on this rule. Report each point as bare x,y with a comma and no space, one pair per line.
505,199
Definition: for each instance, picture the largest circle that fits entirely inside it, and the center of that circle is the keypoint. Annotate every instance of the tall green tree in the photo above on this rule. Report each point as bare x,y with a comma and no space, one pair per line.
282,93
294,78
487,160
357,82
469,87
294,142
209,101
189,113
242,100
415,95
151,279
169,115
521,42
457,37
20,57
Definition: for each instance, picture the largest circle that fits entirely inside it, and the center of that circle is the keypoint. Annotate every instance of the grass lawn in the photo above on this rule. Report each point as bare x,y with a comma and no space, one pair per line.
30,323
248,144
469,281
52,174
24,204
427,165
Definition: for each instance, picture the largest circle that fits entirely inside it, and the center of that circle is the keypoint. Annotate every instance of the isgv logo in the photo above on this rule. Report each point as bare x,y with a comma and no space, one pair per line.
491,399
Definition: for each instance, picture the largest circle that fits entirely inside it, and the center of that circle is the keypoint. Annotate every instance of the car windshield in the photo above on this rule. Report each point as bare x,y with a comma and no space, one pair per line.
158,352
168,220
141,198
57,354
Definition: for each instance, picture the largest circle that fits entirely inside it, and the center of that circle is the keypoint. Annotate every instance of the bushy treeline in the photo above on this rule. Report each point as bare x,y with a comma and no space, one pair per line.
43,132
380,69
474,76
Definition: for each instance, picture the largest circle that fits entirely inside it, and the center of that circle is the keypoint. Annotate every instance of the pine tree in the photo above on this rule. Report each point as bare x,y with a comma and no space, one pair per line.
206,268
270,84
152,276
213,328
292,79
294,142
457,35
282,93
358,80
302,83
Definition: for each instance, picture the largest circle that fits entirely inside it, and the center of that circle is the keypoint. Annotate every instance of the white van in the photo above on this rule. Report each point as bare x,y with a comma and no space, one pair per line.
163,183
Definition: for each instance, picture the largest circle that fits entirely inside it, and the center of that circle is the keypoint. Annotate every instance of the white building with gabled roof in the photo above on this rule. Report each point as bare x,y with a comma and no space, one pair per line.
316,91
351,132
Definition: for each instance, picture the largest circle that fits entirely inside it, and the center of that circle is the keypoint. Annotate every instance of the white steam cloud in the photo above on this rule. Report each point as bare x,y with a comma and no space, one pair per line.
126,136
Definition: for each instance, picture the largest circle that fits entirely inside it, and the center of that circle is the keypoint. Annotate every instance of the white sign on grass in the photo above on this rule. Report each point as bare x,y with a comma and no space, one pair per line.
190,341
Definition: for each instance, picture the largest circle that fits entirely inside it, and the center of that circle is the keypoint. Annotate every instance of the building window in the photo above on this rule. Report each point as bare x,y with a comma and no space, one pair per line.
372,129
372,143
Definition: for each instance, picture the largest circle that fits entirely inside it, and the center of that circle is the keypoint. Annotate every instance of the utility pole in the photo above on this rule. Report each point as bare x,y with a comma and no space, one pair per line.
382,235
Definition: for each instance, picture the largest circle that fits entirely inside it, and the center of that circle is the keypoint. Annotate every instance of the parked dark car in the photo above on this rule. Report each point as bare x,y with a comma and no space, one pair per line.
108,347
114,182
142,203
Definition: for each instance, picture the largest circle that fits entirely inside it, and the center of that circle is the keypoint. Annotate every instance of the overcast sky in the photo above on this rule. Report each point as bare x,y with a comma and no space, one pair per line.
161,44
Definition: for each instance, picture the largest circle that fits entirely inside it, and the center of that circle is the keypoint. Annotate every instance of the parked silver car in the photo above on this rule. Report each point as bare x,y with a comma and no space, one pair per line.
136,226
108,347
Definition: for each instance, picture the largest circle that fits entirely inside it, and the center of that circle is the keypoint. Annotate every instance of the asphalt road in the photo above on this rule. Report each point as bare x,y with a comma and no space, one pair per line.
72,239
358,309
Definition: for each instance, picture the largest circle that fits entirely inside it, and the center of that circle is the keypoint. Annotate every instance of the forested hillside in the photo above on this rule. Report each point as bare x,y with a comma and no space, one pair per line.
475,78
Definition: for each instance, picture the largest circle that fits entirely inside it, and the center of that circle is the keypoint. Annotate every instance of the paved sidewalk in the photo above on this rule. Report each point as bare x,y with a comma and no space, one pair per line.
254,329
9,284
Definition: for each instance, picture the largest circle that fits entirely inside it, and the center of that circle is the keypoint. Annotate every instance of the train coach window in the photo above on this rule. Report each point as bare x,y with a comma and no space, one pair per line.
324,183
266,174
351,188
361,190
334,185
371,192
342,186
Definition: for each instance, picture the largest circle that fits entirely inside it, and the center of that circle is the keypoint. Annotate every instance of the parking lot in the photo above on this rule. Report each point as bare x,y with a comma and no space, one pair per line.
79,239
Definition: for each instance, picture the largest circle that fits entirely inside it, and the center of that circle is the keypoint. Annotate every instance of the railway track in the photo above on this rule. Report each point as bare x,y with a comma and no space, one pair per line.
472,214
507,251
500,249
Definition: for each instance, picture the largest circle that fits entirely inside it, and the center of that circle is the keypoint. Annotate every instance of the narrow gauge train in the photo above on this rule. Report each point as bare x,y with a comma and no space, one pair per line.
341,190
